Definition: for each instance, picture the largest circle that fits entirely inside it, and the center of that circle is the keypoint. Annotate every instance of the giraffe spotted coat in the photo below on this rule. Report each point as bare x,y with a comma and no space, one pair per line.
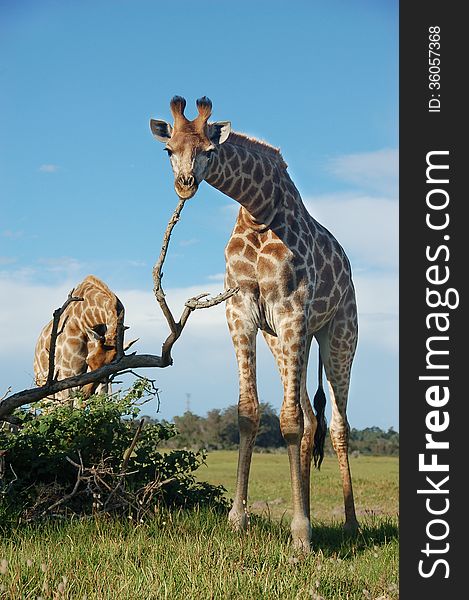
87,341
295,283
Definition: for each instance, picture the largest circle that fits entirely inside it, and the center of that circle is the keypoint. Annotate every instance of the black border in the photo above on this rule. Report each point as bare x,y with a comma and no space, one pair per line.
422,132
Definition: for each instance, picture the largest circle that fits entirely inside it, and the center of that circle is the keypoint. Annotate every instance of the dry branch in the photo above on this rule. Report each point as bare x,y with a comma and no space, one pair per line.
190,305
69,496
134,361
55,333
122,362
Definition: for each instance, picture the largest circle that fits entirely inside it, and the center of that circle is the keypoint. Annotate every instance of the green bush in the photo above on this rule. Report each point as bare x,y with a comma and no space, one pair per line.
79,460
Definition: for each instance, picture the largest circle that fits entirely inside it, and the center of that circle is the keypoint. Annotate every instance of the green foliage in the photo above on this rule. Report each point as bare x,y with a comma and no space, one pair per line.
374,440
98,436
219,431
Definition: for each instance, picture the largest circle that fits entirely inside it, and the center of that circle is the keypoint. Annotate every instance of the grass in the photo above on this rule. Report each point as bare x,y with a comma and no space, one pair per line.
375,482
194,555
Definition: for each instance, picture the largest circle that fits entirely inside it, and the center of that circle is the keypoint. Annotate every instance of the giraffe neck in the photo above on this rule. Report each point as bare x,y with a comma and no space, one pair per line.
255,178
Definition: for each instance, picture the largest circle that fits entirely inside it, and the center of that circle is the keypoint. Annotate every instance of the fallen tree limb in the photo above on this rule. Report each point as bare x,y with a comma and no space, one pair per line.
133,361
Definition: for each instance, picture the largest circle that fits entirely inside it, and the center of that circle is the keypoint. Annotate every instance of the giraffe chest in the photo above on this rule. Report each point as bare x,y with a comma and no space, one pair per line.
276,281
263,270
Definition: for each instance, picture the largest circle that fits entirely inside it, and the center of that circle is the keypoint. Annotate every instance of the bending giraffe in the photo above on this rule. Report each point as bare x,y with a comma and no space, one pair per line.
88,337
295,283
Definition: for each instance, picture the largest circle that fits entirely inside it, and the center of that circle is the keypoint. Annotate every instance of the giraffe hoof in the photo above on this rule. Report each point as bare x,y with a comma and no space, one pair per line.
238,520
351,527
301,549
301,535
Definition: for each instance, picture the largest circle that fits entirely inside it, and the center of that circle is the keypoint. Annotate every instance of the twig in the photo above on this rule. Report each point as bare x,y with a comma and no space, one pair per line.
5,394
130,449
67,497
64,498
120,335
125,462
157,269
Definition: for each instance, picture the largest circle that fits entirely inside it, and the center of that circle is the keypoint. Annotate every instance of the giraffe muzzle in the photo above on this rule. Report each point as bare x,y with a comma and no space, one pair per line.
185,186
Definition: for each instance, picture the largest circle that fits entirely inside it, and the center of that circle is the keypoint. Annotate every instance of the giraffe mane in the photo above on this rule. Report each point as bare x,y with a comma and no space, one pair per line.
241,139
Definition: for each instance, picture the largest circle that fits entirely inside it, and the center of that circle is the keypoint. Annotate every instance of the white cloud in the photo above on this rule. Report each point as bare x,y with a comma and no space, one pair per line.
25,308
366,220
204,361
62,264
48,168
189,242
135,263
366,226
216,277
375,171
378,309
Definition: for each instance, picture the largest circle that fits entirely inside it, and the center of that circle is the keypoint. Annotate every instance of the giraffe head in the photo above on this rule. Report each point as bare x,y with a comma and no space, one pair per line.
190,144
101,346
101,350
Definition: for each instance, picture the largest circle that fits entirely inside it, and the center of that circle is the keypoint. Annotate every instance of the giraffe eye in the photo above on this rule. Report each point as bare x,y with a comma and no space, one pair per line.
168,150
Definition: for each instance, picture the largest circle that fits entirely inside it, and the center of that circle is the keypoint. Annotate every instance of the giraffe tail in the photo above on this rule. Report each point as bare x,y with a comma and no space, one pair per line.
319,404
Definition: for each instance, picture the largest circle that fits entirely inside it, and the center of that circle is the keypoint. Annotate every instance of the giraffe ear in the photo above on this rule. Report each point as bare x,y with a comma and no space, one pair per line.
97,333
219,131
161,130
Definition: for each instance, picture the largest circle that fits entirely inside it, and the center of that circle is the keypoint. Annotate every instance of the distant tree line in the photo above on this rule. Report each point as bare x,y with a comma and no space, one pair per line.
219,431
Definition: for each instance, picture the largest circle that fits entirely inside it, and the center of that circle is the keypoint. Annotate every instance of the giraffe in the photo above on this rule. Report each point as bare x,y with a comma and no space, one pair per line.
295,284
88,337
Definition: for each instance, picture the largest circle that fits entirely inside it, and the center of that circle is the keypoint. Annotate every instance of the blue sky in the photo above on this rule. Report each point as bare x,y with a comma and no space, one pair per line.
86,189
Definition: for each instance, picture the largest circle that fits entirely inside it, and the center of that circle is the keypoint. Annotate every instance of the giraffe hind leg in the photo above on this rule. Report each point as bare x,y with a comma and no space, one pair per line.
309,433
337,349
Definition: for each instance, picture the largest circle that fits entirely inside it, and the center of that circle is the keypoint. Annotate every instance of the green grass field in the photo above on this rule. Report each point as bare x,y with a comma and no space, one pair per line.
194,555
375,481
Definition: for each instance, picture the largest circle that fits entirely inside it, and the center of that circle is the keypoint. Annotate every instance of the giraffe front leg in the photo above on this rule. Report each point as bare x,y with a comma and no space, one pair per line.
292,424
248,418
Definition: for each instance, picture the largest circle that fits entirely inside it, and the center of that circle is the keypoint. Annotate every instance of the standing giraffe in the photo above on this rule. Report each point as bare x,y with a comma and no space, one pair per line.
294,283
88,337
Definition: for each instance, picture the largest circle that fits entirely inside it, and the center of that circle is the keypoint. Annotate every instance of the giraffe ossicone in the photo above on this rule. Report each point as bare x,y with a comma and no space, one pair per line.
87,340
295,284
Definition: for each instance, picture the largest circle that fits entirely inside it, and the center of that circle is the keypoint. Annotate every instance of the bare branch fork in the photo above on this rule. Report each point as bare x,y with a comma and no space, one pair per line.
191,304
123,362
